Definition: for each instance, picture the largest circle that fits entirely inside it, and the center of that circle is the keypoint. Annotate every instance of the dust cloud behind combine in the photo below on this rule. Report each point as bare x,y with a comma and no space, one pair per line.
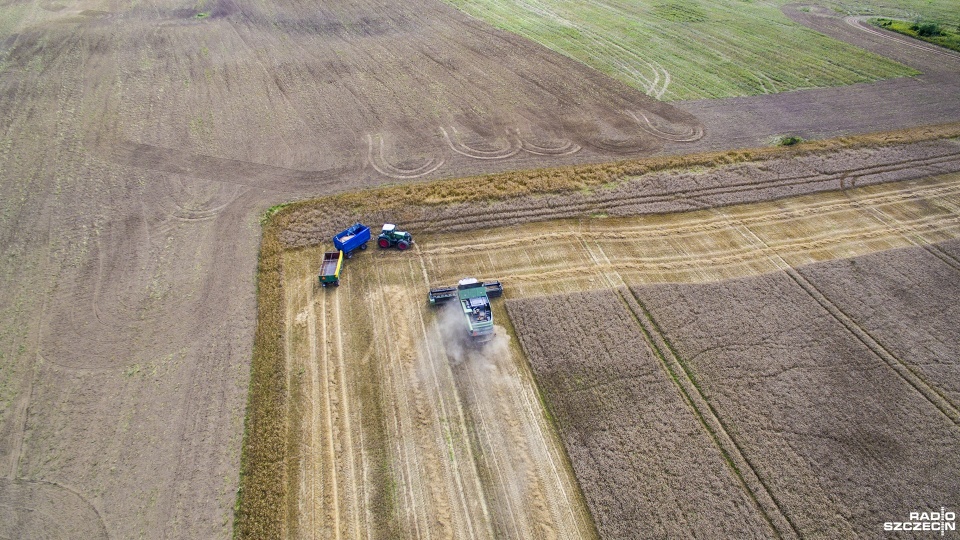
449,333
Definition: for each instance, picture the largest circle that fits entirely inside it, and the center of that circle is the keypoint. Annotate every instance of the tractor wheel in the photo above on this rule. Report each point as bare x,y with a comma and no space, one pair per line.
383,243
336,283
402,245
363,246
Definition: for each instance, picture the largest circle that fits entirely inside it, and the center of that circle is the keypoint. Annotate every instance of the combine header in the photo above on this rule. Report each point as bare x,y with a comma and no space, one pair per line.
474,298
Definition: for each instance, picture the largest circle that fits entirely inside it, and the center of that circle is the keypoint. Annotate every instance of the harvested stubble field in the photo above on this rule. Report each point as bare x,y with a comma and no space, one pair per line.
395,429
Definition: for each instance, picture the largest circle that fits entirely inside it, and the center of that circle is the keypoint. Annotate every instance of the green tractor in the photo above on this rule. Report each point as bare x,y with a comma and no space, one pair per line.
390,236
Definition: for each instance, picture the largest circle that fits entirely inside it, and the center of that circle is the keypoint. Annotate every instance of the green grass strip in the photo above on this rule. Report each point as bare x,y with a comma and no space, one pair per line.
931,32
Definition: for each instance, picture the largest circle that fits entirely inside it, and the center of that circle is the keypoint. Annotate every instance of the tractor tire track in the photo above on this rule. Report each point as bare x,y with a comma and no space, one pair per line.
680,374
860,23
462,471
443,485
817,237
915,237
415,511
356,485
330,430
901,368
909,374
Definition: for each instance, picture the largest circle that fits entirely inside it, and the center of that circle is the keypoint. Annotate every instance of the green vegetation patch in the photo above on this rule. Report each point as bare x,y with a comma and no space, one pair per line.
944,11
932,32
679,50
690,12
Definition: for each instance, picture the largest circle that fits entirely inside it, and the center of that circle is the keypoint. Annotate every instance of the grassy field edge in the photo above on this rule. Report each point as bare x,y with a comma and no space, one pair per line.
261,497
260,509
930,32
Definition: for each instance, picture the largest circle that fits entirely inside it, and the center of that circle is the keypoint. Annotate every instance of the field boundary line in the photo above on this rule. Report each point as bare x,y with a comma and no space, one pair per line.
901,368
736,459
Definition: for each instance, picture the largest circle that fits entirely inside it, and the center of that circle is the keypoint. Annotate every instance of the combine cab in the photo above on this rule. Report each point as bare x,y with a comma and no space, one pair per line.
474,299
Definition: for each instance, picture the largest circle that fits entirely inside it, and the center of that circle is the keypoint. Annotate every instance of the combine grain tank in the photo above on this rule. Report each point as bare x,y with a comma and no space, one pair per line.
474,299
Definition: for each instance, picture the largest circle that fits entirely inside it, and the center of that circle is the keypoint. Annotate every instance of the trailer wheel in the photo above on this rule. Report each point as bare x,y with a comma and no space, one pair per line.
383,243
363,246
402,245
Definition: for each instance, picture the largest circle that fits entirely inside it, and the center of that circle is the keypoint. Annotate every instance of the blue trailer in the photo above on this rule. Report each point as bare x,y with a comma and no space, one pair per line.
354,237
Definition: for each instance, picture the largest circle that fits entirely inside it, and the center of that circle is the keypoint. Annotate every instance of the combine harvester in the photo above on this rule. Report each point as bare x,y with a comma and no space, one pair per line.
474,297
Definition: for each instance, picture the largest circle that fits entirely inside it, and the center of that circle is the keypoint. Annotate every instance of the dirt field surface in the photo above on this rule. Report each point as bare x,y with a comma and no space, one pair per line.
397,429
140,144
